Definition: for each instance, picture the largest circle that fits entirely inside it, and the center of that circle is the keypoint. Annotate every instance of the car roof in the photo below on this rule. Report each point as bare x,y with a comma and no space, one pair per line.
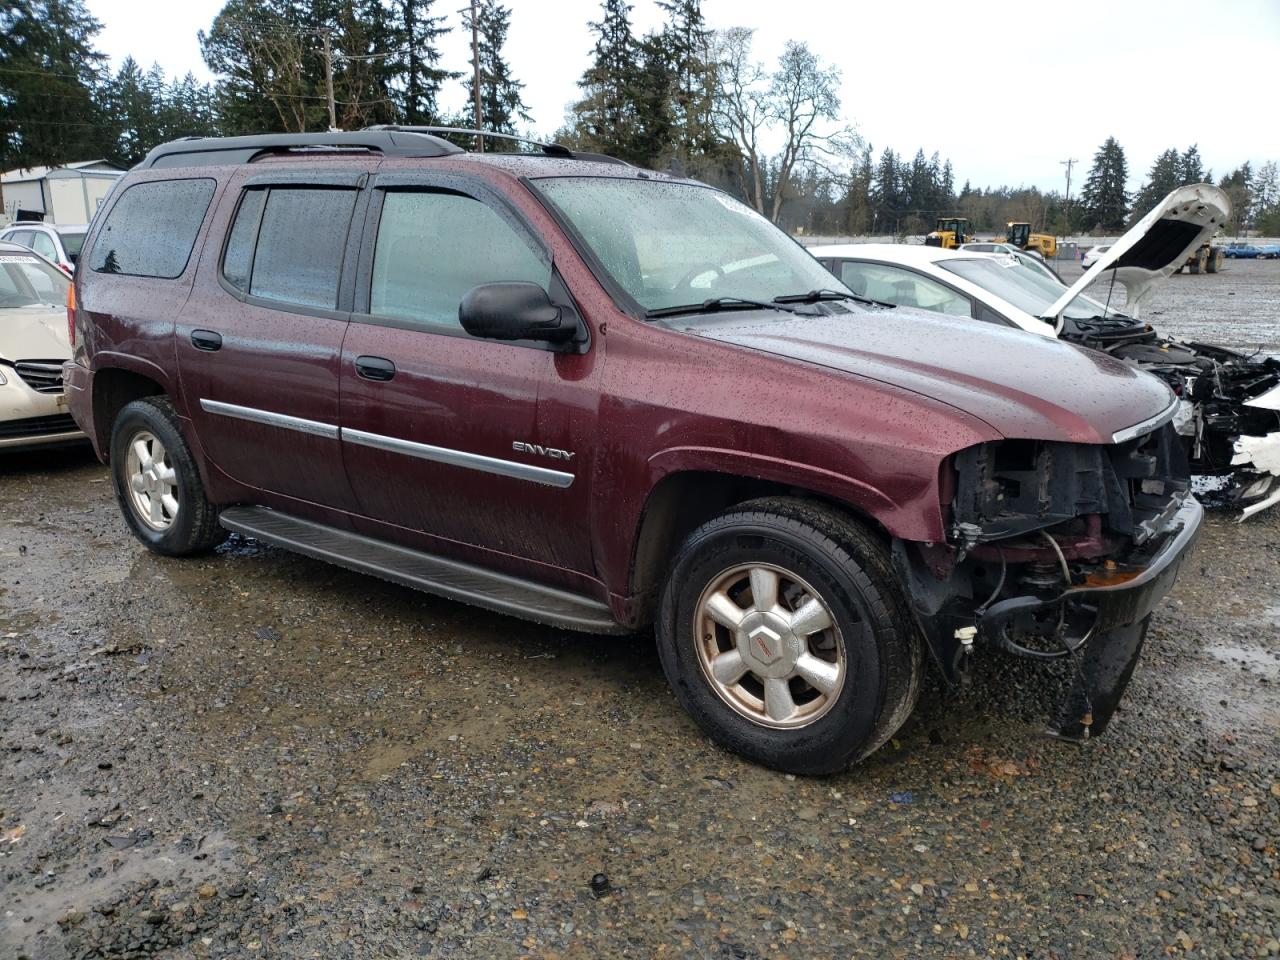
908,253
37,225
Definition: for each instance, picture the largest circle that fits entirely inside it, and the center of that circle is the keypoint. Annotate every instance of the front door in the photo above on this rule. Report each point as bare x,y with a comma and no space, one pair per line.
442,436
259,345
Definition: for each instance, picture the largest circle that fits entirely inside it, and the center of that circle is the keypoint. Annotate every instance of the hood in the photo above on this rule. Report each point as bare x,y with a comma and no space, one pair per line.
1155,246
34,333
1022,387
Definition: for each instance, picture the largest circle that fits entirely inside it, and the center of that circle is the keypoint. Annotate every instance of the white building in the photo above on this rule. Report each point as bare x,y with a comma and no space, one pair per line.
68,194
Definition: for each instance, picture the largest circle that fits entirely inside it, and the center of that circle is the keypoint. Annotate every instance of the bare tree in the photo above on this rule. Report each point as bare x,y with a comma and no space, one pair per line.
740,107
796,104
802,97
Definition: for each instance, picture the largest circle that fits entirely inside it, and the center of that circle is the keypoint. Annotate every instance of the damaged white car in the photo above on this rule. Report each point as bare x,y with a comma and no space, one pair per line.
34,342
1230,412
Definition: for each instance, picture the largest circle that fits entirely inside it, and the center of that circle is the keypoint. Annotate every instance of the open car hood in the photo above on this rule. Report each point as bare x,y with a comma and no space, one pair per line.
1155,246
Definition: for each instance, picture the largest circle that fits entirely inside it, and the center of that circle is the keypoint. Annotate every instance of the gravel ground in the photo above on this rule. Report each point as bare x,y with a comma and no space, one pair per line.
1239,307
255,754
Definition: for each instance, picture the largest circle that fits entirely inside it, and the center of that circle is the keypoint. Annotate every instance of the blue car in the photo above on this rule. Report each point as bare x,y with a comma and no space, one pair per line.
1269,251
1243,251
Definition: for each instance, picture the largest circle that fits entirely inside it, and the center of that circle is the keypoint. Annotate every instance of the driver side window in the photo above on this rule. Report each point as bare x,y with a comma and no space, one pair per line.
903,288
434,246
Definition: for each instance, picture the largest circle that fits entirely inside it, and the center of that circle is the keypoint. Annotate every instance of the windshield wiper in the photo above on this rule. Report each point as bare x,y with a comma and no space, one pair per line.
813,296
716,304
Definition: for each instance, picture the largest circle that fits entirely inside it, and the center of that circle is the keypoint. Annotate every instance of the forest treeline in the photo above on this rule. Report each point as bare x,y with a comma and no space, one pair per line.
682,97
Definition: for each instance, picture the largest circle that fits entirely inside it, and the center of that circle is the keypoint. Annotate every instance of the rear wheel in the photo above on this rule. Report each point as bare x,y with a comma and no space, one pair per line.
1215,261
784,633
157,483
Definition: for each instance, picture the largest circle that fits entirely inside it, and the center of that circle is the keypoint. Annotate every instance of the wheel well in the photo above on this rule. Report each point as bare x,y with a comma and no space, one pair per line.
682,502
112,389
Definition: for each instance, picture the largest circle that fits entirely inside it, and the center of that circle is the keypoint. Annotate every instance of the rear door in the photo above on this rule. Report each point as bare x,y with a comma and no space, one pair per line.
259,346
443,438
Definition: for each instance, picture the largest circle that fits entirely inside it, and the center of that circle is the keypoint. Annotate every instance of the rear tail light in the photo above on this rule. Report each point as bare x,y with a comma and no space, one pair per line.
71,313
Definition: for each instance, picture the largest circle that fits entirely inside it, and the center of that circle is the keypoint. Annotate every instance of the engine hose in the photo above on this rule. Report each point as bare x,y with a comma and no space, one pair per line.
1067,649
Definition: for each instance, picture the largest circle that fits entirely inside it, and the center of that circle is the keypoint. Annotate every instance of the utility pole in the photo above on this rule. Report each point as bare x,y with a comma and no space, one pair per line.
475,75
1068,163
328,78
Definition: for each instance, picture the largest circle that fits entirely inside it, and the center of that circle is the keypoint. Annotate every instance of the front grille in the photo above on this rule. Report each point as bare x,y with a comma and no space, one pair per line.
35,426
43,376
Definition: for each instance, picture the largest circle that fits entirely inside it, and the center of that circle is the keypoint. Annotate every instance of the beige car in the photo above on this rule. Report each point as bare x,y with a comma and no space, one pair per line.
33,345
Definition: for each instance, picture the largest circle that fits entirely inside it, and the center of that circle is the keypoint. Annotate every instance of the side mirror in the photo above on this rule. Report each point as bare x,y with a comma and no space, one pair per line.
515,311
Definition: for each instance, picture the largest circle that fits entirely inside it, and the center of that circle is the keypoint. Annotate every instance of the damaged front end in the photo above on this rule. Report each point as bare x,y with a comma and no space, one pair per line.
1229,419
1056,550
1233,433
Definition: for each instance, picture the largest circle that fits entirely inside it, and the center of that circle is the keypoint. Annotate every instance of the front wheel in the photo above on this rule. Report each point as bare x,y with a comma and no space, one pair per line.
157,483
784,633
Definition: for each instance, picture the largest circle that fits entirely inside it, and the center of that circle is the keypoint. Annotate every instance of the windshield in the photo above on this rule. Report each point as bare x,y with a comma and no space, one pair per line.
27,281
72,242
676,244
1027,288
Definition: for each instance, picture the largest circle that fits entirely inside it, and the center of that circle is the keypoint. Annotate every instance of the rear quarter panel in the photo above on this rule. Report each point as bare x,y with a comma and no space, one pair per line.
128,321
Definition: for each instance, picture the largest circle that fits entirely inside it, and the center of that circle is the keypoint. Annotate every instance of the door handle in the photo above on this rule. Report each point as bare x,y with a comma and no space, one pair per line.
206,340
375,368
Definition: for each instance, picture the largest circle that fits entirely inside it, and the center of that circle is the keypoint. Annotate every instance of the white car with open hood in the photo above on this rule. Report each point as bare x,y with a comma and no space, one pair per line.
1230,418
33,345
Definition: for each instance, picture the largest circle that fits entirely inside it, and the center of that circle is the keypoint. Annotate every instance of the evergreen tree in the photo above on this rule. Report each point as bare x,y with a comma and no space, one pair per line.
501,103
190,109
418,77
1190,167
919,192
858,197
1105,200
1165,175
886,196
1238,185
135,103
365,40
686,40
606,116
49,70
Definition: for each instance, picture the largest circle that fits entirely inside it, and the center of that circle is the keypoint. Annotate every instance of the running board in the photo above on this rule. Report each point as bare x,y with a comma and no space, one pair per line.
423,571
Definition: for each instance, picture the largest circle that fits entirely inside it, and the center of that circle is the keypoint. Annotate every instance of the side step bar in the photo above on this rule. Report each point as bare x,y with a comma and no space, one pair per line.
423,571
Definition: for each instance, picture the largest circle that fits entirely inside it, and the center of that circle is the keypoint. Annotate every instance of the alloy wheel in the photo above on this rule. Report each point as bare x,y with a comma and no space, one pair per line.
769,646
153,481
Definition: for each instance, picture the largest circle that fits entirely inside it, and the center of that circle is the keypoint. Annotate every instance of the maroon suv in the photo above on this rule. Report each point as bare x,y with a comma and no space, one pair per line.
603,398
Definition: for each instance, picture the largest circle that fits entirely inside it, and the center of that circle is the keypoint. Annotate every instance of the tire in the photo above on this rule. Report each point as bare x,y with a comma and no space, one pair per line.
1215,262
872,644
164,477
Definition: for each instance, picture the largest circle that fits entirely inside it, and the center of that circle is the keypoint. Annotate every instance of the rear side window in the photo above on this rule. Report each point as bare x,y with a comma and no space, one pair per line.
71,243
152,228
287,244
43,245
433,247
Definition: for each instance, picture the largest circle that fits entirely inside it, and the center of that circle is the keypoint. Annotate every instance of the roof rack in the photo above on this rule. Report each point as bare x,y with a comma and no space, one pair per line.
209,151
550,149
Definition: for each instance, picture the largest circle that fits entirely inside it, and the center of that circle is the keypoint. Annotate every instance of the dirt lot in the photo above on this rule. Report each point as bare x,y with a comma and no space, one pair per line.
1239,307
255,754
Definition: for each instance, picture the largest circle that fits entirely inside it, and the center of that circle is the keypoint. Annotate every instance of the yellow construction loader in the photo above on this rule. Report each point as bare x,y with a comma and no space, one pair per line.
950,233
1020,236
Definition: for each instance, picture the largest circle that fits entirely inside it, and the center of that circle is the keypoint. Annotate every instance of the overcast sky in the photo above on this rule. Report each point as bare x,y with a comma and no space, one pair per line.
1006,90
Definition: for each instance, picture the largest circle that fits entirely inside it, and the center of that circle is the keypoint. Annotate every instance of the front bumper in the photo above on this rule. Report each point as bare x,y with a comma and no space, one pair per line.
31,418
1112,605
1114,617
